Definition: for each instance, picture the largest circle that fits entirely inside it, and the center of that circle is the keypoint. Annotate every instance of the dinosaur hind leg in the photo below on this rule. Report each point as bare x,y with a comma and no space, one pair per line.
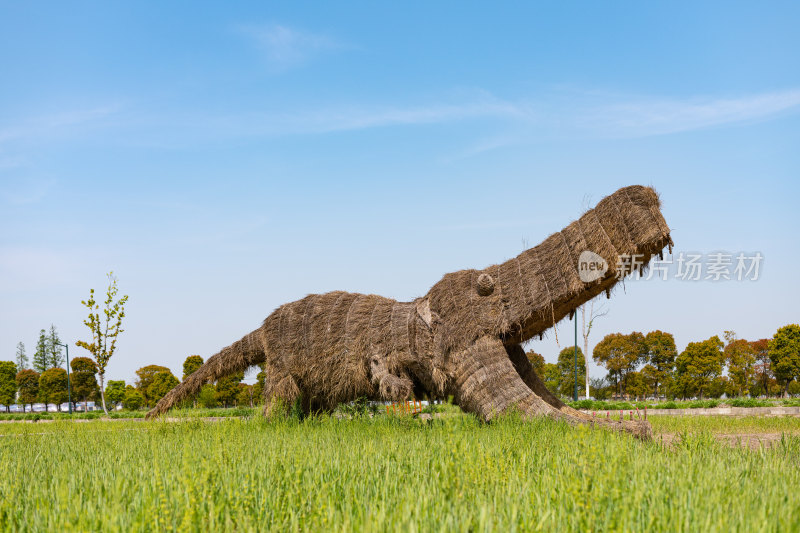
280,393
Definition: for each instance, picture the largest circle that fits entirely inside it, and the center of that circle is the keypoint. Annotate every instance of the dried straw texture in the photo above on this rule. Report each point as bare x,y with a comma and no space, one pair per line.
461,339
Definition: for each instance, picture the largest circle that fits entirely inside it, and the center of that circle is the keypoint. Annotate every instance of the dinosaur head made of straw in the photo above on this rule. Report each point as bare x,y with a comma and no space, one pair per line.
527,295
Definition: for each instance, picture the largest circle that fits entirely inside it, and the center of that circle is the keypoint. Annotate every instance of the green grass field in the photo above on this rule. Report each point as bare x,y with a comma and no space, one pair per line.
388,474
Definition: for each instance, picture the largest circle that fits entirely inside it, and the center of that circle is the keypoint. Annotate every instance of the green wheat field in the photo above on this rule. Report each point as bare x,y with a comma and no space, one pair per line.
396,474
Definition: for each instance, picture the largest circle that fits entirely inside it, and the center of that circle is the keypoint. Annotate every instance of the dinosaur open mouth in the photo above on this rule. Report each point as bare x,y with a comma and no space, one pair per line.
527,295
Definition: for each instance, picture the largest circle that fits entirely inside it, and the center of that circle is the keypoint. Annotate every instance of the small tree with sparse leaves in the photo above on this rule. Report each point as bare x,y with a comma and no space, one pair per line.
104,331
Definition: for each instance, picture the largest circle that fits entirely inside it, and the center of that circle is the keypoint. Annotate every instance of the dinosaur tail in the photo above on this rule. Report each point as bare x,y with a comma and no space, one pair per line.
237,357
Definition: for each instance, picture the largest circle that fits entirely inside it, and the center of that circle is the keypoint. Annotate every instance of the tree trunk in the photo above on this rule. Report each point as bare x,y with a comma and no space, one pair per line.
103,394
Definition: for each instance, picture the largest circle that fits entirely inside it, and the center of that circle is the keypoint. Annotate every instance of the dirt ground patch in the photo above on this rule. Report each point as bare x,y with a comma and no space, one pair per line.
752,441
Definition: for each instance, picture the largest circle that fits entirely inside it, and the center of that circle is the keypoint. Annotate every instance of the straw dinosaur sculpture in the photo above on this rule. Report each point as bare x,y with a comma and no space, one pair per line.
462,339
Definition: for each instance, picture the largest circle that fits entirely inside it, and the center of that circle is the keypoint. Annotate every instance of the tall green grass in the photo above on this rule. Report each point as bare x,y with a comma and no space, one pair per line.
385,474
95,415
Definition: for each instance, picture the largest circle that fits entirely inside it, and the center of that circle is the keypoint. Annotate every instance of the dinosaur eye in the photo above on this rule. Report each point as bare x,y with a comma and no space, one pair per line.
485,284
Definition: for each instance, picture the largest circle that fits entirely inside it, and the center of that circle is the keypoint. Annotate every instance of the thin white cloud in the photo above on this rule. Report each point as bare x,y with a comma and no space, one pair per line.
645,117
360,118
524,121
547,116
284,47
54,124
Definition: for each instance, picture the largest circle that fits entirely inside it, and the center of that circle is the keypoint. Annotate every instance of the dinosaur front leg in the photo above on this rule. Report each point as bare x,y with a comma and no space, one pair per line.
525,370
487,383
390,387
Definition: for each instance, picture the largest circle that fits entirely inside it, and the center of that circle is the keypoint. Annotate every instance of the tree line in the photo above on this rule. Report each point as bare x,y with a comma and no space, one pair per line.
27,386
155,381
45,379
648,365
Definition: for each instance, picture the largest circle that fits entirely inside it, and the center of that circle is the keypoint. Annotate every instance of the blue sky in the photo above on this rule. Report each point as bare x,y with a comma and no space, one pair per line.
223,160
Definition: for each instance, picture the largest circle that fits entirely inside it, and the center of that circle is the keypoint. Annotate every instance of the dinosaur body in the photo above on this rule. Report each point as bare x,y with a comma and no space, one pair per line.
462,339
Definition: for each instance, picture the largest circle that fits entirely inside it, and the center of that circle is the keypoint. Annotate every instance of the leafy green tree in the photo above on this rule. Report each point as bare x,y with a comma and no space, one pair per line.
537,362
636,385
741,358
566,371
620,354
258,388
552,378
8,383
40,359
53,386
652,377
28,386
784,352
207,397
21,357
133,399
55,355
245,396
192,363
147,376
682,386
700,363
661,354
763,368
718,386
105,331
228,389
84,383
163,382
115,391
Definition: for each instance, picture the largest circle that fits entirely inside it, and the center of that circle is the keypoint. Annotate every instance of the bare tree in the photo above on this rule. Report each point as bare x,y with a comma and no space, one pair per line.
104,330
586,329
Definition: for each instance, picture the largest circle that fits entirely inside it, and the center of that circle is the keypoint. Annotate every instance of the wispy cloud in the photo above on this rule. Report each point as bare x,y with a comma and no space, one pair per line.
547,115
497,122
55,123
359,118
284,47
641,117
